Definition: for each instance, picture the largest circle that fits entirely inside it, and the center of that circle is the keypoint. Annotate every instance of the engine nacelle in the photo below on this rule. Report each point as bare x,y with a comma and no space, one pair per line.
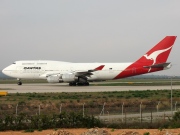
62,78
53,79
69,77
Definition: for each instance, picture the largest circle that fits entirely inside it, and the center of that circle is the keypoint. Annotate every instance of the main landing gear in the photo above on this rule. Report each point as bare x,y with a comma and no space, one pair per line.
72,84
79,84
19,82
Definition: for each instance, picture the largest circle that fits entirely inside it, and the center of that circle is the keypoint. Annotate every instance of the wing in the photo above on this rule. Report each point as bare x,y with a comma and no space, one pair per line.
79,73
88,72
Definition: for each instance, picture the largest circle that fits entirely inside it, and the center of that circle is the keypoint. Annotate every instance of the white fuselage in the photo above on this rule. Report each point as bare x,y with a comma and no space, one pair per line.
38,69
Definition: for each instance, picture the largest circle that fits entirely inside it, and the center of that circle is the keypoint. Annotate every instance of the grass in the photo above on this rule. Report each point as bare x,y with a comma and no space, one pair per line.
95,100
114,98
50,102
87,96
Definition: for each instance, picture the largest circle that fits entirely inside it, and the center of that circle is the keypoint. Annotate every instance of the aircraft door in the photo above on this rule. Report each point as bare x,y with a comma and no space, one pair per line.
42,70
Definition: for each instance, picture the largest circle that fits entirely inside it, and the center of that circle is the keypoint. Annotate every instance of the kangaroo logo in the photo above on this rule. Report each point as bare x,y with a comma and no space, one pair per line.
153,56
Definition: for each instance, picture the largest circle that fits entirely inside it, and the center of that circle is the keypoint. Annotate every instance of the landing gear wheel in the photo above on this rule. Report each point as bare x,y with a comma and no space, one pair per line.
87,83
79,84
72,84
83,84
19,83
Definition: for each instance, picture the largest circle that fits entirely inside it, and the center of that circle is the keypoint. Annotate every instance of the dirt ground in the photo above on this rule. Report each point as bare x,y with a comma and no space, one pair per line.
110,131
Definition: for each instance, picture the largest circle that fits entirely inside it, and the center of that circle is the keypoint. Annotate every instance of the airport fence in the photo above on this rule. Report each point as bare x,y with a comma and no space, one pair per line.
107,112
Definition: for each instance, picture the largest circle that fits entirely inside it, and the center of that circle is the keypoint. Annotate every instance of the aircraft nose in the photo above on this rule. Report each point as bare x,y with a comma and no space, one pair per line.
3,71
8,71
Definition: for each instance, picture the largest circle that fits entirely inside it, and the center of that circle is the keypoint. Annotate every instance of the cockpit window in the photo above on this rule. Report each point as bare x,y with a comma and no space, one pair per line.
14,63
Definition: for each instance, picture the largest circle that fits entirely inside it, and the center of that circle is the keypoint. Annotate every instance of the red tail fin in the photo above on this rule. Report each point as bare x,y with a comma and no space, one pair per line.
154,60
159,53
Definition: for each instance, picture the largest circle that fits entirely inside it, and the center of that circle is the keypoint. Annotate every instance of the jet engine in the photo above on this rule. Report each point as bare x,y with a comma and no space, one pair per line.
69,78
54,79
62,78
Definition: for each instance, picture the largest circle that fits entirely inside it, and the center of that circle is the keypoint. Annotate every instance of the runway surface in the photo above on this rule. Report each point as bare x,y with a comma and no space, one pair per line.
43,87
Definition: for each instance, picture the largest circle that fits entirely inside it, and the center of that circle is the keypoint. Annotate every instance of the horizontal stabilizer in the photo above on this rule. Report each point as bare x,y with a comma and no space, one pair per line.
161,65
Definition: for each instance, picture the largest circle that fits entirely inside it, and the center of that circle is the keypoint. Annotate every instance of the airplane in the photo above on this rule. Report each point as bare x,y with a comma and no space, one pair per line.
83,73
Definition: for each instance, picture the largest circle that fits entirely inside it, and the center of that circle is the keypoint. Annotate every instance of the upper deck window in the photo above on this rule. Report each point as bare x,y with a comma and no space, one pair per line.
27,63
42,63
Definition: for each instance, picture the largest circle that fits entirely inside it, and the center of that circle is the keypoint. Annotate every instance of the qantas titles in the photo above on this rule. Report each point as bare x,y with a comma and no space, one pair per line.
32,67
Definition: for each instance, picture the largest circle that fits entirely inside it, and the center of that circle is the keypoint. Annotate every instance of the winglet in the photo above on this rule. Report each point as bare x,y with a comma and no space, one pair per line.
99,68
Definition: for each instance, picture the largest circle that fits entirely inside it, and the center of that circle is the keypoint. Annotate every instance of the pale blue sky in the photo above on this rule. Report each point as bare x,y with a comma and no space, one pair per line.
87,30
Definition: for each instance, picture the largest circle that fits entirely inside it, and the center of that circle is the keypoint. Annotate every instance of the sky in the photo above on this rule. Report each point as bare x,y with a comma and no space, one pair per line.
87,30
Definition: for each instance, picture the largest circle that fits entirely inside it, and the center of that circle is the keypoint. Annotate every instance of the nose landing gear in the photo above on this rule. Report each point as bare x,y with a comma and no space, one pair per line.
19,81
